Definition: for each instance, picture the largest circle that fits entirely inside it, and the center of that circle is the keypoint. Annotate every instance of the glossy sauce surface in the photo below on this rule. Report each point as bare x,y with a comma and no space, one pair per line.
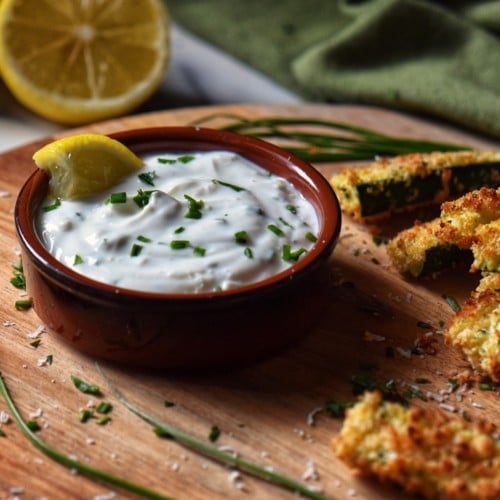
186,223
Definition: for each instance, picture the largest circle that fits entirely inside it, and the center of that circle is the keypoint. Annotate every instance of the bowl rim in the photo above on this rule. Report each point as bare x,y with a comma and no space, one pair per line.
184,139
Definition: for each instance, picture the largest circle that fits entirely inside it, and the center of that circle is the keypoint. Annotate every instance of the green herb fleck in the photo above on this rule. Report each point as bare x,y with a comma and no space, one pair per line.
186,158
168,404
241,237
84,387
142,198
453,383
466,416
53,206
291,256
179,230
104,407
229,185
2,433
275,229
136,250
423,324
422,380
85,415
214,433
166,161
292,209
33,425
144,239
148,177
248,252
199,251
116,198
413,391
18,278
284,222
77,260
311,237
452,302
194,208
49,358
337,408
24,304
483,386
104,420
179,244
378,240
36,343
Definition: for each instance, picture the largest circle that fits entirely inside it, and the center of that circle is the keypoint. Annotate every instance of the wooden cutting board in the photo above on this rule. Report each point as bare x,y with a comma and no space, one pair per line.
262,411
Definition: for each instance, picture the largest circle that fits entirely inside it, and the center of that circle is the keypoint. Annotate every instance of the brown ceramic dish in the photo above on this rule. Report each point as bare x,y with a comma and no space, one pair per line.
184,331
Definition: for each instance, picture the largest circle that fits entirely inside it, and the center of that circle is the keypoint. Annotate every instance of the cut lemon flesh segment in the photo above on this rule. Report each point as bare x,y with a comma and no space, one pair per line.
76,61
85,164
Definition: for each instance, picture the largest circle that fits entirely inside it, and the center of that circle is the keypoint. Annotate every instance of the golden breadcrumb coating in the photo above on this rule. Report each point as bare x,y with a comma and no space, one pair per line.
425,452
486,247
413,174
476,328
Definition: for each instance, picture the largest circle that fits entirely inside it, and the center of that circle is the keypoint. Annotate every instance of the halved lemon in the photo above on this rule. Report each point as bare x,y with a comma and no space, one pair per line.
85,164
76,61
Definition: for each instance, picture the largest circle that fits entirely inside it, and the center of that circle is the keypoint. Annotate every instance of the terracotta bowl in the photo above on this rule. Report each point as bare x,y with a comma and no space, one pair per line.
184,331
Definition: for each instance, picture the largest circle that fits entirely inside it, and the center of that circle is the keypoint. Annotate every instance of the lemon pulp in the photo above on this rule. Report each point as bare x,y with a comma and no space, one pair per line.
76,62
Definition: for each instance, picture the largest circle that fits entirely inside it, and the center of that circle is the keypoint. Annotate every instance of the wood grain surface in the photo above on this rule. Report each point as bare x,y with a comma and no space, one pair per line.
262,411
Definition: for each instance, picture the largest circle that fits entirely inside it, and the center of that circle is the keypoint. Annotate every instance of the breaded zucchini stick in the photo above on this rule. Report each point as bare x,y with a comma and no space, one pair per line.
476,328
425,452
408,181
432,246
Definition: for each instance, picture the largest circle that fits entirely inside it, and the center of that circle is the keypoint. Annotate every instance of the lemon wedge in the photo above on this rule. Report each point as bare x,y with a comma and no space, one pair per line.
75,61
85,164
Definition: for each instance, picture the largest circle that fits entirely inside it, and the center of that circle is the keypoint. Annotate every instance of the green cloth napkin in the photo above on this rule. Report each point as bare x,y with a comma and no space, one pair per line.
438,58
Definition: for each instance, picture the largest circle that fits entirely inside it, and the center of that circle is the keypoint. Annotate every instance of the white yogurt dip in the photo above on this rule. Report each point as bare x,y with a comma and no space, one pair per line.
185,223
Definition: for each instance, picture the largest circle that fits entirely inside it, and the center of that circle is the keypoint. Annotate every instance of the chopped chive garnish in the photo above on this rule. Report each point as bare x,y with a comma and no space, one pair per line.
241,237
453,383
168,404
214,433
311,237
104,407
166,161
378,240
33,425
200,251
35,343
49,358
179,244
24,304
18,278
85,415
148,177
115,198
186,158
452,302
413,391
180,229
84,387
421,380
104,420
2,433
77,260
136,250
337,408
142,198
229,185
248,252
194,208
144,239
484,386
423,324
275,229
289,255
284,222
292,209
53,206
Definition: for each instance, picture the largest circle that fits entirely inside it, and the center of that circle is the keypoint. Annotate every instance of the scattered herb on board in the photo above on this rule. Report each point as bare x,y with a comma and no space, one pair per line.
23,304
214,434
319,140
18,278
337,408
71,463
84,387
2,433
165,430
452,302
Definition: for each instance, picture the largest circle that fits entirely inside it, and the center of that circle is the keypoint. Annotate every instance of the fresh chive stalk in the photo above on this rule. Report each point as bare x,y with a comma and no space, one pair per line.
326,141
72,463
228,184
207,450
